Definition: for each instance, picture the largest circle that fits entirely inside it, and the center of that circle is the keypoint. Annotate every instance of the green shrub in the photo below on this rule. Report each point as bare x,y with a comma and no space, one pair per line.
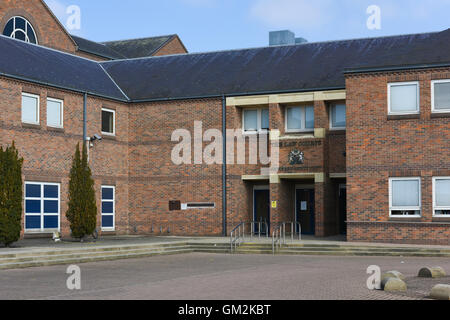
82,207
11,195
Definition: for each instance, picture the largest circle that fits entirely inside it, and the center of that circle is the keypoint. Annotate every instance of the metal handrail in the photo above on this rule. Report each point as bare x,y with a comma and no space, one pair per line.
279,234
237,236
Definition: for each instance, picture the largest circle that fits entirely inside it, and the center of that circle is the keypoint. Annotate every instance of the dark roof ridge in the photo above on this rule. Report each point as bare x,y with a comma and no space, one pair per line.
279,46
136,39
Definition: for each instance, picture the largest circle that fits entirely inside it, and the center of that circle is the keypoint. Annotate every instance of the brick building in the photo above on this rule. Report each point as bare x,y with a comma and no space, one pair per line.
362,128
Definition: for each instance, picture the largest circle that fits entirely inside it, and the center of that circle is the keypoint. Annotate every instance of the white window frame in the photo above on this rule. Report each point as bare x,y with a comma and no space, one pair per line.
258,120
391,208
113,228
435,207
398,84
114,122
433,110
30,95
62,112
27,24
331,116
42,199
303,124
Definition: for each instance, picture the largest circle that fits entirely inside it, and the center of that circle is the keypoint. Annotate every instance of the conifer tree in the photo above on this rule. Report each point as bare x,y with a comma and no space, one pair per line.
82,207
11,195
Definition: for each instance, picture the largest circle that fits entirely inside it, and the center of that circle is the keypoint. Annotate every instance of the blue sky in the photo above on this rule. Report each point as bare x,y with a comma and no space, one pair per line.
208,25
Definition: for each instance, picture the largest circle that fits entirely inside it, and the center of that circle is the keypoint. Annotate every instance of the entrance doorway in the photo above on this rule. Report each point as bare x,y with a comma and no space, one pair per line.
261,207
304,210
342,209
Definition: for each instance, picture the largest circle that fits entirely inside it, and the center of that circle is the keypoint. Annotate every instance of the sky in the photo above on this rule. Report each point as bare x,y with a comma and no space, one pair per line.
210,25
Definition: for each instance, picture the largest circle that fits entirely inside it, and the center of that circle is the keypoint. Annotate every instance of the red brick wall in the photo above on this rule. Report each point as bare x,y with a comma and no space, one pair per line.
379,147
49,31
48,152
174,46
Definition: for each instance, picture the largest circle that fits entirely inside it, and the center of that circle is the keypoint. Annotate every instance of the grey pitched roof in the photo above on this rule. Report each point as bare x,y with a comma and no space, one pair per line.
96,48
24,61
301,67
137,48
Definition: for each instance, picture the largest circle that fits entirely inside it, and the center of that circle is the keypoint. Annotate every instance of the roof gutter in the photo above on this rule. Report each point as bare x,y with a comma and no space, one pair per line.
397,68
60,87
228,95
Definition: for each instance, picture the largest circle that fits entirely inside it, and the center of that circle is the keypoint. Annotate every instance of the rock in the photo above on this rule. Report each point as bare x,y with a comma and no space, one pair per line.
393,284
434,272
441,292
393,274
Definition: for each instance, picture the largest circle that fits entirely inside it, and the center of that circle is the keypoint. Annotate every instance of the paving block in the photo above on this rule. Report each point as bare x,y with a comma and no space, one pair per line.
393,285
433,272
440,292
393,274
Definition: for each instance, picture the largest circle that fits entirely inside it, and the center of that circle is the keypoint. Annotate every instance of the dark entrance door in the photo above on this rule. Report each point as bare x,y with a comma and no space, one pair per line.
305,210
261,209
342,209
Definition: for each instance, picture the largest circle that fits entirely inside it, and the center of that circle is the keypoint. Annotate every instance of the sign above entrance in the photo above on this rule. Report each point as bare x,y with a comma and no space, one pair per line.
296,157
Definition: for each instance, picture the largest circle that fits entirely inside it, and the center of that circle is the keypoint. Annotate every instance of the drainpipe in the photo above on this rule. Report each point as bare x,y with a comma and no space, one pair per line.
224,167
85,117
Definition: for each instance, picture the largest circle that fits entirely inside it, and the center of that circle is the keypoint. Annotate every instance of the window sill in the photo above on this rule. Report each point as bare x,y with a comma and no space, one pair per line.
403,116
440,115
109,137
405,219
441,218
55,129
31,125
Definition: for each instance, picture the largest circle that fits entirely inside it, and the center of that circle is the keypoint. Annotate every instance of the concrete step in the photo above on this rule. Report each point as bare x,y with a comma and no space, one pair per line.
84,259
361,253
72,255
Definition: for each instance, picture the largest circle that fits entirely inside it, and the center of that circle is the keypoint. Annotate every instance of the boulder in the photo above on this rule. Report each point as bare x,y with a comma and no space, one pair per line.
433,272
392,274
441,292
393,284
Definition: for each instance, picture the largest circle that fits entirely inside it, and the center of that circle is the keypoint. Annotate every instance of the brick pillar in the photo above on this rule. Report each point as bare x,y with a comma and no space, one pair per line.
280,191
324,199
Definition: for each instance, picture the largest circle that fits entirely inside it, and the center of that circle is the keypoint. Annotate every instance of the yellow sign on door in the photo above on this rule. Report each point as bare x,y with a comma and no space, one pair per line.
274,204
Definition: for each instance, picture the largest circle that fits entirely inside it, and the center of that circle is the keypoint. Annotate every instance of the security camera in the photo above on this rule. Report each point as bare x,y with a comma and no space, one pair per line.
96,137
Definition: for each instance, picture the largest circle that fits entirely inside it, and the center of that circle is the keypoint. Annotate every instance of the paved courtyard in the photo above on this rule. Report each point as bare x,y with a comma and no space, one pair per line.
216,276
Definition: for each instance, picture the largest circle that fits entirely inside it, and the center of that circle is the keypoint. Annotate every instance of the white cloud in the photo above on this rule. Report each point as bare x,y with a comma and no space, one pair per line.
294,14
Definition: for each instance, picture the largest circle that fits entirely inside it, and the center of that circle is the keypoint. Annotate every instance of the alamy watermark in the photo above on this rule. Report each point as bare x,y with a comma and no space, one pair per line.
241,148
74,280
374,19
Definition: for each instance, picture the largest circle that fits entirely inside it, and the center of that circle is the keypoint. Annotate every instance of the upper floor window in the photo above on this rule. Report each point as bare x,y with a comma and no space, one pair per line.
108,122
403,98
54,113
255,120
405,197
30,108
440,95
338,116
300,119
441,196
19,28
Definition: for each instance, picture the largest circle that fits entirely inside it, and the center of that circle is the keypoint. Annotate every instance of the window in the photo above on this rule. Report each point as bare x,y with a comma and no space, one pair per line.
30,108
19,28
108,122
441,196
42,207
440,95
405,197
108,208
256,120
338,116
55,113
403,98
300,119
